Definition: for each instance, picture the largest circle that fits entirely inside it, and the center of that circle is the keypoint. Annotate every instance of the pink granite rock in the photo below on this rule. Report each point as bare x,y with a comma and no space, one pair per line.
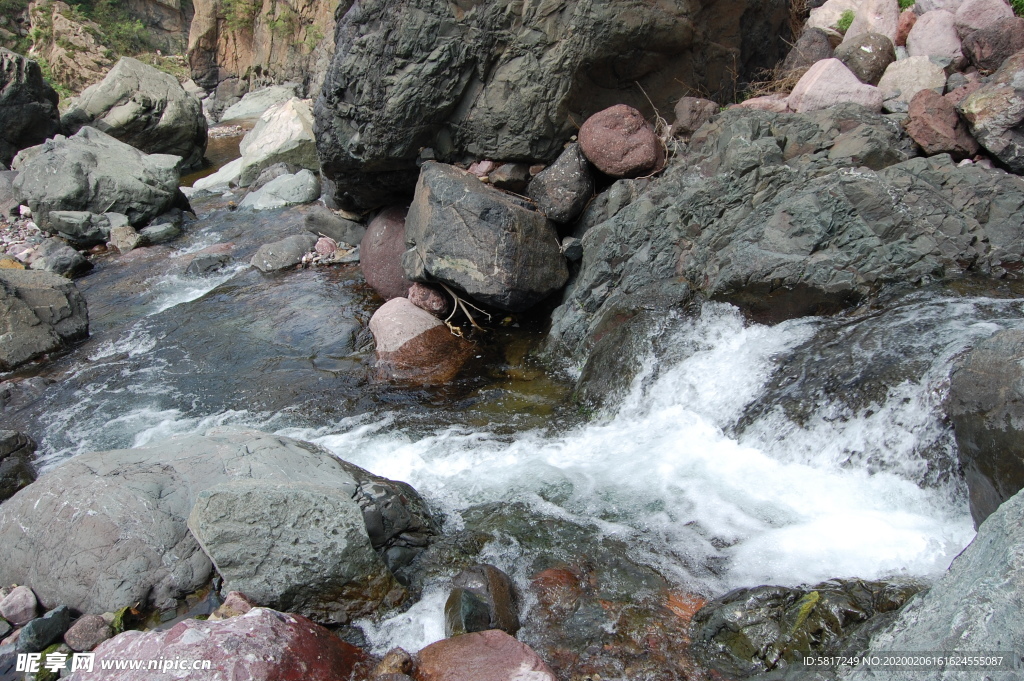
621,143
828,83
485,656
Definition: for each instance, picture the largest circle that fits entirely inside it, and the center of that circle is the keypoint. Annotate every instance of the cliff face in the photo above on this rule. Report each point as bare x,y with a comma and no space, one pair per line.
166,20
238,45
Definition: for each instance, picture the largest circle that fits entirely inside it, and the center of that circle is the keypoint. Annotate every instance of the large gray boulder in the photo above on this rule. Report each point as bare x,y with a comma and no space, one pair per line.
283,134
490,244
28,106
986,405
108,529
143,107
91,171
505,81
976,605
39,312
16,467
791,214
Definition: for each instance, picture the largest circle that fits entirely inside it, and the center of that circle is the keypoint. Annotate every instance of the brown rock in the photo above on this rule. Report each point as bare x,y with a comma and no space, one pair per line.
261,645
495,589
325,246
430,299
693,112
973,15
19,607
236,603
963,92
621,143
907,20
937,127
413,346
485,656
381,251
511,177
867,55
987,48
87,633
397,661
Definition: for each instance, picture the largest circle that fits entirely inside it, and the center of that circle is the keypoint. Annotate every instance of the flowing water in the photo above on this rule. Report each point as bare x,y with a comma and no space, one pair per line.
742,455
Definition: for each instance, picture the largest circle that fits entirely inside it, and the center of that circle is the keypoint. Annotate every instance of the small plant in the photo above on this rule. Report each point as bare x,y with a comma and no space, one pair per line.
1018,7
845,21
240,15
906,4
314,35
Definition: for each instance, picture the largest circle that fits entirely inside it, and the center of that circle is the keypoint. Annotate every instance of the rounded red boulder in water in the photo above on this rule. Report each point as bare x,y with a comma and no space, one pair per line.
621,143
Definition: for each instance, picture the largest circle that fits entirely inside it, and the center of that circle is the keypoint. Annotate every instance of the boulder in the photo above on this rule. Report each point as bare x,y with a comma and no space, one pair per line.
828,83
867,55
144,107
906,77
995,116
380,254
38,634
875,16
484,656
978,601
283,254
621,143
164,228
28,106
513,177
490,244
413,346
225,178
16,468
261,645
294,546
87,632
973,15
922,6
937,127
986,406
812,46
430,299
486,87
136,546
83,228
54,255
285,190
827,14
283,134
322,221
563,189
272,173
907,20
20,606
41,312
125,238
486,586
91,171
255,103
756,630
693,112
935,35
987,48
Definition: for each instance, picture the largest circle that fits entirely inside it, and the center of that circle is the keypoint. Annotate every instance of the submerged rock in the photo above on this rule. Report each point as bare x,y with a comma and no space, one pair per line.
487,243
144,107
986,405
261,645
136,547
28,106
283,254
413,346
39,312
484,656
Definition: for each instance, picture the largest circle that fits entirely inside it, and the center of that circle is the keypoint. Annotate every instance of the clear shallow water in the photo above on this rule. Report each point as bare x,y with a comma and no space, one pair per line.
746,455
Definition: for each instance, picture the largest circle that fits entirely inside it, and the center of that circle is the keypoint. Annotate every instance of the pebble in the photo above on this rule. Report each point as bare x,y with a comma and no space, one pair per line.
19,238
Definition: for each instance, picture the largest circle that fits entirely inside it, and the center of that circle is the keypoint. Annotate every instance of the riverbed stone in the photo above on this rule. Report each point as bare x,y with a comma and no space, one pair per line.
429,298
935,125
904,78
283,254
55,255
87,632
414,346
16,472
137,547
42,312
380,254
973,15
484,656
284,190
91,171
874,16
867,55
906,24
985,405
322,221
828,83
513,177
495,590
563,189
935,35
295,547
994,115
487,243
144,107
621,143
261,645
987,48
38,634
126,238
283,134
28,106
20,606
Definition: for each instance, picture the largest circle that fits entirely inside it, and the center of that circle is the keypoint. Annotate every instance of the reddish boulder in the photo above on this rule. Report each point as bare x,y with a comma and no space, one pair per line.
907,20
484,656
19,607
974,15
430,299
380,254
621,143
87,633
413,346
935,35
937,127
987,48
261,645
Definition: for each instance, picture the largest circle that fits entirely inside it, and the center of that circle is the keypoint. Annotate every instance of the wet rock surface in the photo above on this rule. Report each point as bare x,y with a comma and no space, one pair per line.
413,346
484,656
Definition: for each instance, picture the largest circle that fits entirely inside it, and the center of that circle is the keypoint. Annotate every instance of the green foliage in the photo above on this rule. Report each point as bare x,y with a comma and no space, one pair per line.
10,7
240,15
120,31
1018,7
907,4
314,35
62,90
845,21
285,23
